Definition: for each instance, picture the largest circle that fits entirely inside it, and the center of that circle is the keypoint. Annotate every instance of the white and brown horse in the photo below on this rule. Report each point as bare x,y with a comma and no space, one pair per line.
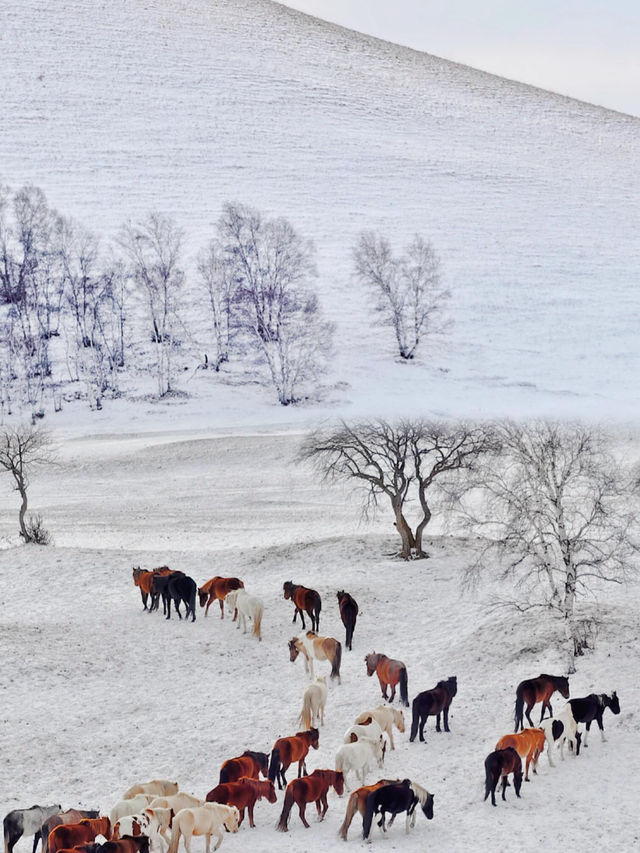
311,646
386,717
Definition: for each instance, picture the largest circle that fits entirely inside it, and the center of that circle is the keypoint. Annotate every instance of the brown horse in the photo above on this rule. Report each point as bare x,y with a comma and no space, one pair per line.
61,819
286,750
217,588
358,803
305,599
529,744
72,834
310,789
249,764
143,579
242,794
430,702
348,607
311,646
498,765
390,672
538,689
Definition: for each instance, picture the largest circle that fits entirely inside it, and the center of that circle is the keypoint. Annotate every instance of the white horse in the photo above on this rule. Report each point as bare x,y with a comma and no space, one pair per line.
358,757
133,805
559,729
26,822
151,822
314,698
159,787
386,717
178,801
210,819
249,607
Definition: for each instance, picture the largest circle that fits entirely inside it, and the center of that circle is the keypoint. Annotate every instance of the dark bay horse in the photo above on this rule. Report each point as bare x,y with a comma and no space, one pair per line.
395,798
591,708
348,607
286,750
310,789
430,702
216,588
390,672
243,794
538,689
498,765
249,764
305,599
358,803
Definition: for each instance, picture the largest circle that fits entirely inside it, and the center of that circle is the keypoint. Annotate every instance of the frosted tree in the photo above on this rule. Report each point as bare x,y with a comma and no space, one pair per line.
221,285
278,310
408,290
153,249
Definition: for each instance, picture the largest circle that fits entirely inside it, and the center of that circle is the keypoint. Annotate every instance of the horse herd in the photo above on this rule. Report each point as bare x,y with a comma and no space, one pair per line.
157,812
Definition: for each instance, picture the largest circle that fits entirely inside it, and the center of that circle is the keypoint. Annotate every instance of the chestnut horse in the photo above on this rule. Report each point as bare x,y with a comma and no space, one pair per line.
249,764
311,646
529,744
305,599
389,672
348,607
286,750
217,588
431,702
498,765
538,689
143,579
243,795
60,819
310,789
358,803
71,834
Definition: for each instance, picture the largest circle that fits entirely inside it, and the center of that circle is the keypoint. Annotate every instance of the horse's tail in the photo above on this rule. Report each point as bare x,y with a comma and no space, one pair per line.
415,719
305,715
519,708
224,774
317,610
352,805
257,621
283,823
404,689
192,601
368,815
274,764
6,835
335,663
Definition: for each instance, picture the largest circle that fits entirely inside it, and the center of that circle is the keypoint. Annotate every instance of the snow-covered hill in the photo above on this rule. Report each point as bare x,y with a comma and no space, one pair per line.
530,198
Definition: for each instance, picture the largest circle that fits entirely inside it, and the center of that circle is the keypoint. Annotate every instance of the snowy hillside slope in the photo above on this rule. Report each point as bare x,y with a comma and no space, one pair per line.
96,694
530,198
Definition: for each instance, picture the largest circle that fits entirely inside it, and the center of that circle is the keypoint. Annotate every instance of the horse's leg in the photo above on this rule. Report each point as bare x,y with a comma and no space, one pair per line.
422,721
168,602
302,808
221,600
325,805
218,834
438,721
527,712
445,715
505,782
600,726
527,763
586,734
250,807
393,693
36,838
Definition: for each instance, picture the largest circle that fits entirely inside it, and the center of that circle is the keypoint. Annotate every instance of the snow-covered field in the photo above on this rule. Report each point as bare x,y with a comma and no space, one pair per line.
96,694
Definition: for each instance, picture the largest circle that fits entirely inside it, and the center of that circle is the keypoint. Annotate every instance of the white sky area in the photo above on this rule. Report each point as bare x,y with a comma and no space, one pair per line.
588,49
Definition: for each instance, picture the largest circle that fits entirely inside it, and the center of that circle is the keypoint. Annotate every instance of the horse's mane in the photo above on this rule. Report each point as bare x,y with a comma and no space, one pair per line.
421,793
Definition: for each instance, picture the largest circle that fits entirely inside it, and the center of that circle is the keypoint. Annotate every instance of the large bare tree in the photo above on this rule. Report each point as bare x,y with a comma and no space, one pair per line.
402,462
560,511
23,449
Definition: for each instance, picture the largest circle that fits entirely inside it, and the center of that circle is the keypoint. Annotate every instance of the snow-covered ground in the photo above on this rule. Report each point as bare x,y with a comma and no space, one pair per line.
531,199
96,694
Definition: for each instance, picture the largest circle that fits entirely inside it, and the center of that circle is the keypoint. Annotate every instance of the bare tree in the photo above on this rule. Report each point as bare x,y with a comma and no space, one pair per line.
23,449
153,249
277,308
408,288
403,462
217,275
556,507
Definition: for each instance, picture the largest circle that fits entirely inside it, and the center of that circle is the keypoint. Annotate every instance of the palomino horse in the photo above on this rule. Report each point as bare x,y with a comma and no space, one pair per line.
386,717
348,613
528,743
243,794
358,802
210,819
247,607
313,702
143,579
217,588
249,764
436,701
71,834
159,787
310,789
397,797
60,819
591,708
305,599
389,672
498,765
26,822
175,802
538,689
286,750
358,757
321,648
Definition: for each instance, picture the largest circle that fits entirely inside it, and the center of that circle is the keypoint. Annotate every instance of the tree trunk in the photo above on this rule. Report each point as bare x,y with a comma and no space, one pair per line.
570,631
408,541
426,518
23,512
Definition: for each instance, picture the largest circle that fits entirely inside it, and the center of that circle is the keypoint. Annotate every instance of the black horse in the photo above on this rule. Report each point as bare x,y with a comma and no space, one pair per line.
498,765
348,613
591,708
176,587
436,701
395,798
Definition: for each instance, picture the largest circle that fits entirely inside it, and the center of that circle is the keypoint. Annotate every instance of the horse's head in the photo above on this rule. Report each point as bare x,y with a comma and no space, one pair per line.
338,784
294,651
452,685
232,819
271,791
427,805
202,596
341,595
287,589
315,738
563,686
398,719
371,662
614,702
